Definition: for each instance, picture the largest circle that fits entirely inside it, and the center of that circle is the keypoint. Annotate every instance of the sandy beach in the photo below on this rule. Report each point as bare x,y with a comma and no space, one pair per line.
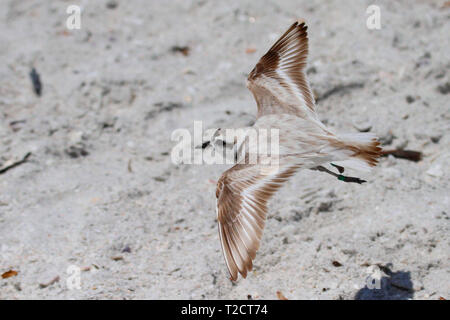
98,210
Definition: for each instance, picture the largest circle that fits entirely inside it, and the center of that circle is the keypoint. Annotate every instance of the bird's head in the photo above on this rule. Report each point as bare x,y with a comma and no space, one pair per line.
219,146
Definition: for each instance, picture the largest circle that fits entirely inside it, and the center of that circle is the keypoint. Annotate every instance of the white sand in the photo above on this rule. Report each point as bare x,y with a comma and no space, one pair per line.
151,232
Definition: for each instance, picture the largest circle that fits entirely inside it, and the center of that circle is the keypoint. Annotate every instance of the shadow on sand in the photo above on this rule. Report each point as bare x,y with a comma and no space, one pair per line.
393,286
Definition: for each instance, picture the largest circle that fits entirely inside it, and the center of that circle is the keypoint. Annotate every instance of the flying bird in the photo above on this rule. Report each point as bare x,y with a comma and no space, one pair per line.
285,102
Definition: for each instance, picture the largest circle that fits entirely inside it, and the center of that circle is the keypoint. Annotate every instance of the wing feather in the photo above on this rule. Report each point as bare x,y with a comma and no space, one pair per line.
231,265
278,81
242,195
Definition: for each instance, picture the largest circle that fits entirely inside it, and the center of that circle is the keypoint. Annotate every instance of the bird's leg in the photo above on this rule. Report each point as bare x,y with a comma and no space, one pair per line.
351,179
340,176
340,169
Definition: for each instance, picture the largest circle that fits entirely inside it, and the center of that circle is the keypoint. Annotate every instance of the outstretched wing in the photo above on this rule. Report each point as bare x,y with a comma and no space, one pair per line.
242,195
278,81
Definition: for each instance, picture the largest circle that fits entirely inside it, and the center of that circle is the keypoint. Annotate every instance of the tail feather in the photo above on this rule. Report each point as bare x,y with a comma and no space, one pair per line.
365,150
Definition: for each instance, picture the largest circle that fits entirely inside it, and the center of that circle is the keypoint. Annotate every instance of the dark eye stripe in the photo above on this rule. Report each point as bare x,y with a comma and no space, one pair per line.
205,144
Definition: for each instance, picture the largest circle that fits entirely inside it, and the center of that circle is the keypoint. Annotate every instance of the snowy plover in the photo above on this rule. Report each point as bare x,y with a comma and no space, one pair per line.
285,102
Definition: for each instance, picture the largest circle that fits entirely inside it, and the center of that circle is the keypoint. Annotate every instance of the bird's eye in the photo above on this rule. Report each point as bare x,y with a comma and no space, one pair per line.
205,144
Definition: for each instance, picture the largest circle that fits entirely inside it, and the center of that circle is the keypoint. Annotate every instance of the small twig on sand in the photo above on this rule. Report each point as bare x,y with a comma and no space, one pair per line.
36,81
15,164
45,285
403,154
184,50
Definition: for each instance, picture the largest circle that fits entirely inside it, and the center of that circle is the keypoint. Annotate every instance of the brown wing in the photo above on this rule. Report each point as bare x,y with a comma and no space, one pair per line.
242,194
278,81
